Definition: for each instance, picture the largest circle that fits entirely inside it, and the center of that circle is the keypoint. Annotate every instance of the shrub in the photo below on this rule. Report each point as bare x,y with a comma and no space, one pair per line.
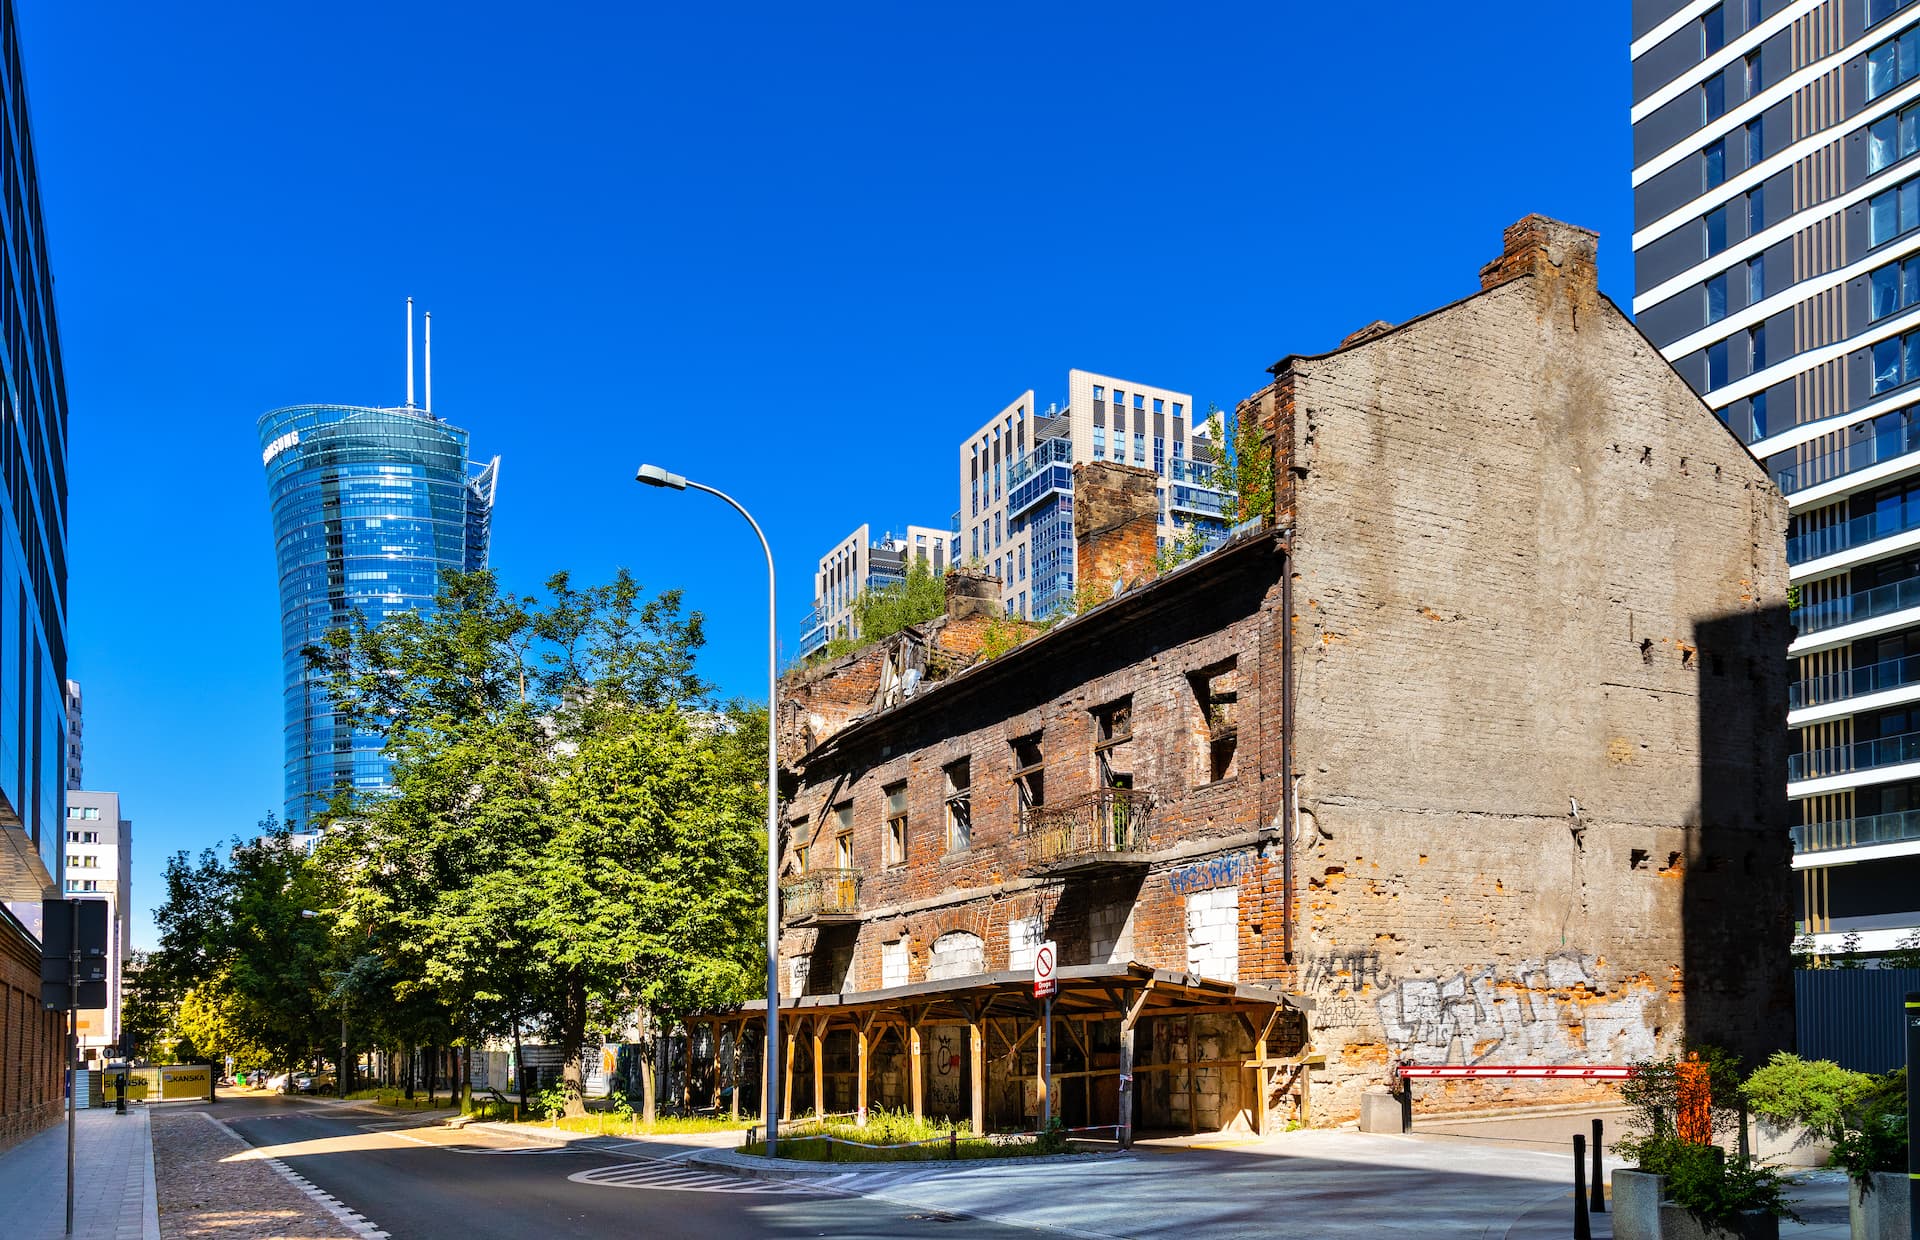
1862,1116
1704,1181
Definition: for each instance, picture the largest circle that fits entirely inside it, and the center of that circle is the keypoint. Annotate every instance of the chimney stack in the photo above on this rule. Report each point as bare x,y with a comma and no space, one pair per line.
971,592
1542,246
1116,523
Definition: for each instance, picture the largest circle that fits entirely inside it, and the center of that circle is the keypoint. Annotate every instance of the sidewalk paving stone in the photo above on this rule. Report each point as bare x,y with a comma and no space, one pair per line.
113,1195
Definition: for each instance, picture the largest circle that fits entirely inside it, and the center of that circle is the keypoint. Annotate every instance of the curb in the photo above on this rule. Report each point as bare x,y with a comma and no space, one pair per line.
786,1169
345,1214
529,1133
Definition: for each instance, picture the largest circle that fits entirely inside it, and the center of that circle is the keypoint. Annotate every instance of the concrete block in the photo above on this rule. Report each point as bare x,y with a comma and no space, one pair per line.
1884,1213
1636,1205
1380,1113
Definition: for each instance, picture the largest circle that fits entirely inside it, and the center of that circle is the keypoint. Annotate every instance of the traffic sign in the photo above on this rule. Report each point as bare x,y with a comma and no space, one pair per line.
1044,983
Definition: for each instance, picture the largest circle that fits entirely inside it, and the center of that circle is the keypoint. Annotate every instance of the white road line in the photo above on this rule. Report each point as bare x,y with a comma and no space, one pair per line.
349,1218
671,1177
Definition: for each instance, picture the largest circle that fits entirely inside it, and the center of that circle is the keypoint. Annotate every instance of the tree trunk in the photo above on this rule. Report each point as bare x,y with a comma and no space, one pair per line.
433,1077
466,1079
411,1052
663,1059
519,1069
650,1087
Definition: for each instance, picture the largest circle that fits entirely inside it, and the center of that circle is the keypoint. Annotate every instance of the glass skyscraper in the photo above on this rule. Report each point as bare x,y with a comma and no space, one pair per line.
33,519
370,506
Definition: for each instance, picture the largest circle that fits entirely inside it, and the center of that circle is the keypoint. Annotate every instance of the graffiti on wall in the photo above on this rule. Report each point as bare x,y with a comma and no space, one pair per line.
1340,981
946,1072
1558,1009
1206,875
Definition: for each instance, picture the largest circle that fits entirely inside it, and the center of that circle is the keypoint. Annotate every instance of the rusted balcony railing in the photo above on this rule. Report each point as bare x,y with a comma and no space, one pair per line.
821,895
1091,828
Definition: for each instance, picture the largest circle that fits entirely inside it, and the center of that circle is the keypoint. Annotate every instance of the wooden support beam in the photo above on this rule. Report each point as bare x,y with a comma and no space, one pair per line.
733,1071
977,1048
1131,1016
917,1065
1125,1115
1193,1080
819,1068
793,1041
860,1095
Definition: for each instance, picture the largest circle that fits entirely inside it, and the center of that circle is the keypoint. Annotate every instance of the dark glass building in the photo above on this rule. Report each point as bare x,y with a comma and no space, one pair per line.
369,507
33,519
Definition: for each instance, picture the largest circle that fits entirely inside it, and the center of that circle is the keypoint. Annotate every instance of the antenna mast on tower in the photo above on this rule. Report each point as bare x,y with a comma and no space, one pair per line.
409,352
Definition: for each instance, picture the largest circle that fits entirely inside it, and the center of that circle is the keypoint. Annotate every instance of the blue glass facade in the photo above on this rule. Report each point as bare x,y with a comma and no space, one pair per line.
369,507
33,517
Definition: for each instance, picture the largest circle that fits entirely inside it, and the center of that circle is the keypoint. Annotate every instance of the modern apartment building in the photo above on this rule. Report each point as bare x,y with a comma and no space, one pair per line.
76,738
859,563
99,865
1015,518
370,506
1777,265
33,610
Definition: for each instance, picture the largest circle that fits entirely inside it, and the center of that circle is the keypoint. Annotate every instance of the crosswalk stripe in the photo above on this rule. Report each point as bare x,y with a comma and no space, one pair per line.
674,1178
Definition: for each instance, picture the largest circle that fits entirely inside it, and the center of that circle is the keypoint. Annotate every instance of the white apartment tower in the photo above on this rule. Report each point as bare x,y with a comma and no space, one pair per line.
99,865
1016,480
859,563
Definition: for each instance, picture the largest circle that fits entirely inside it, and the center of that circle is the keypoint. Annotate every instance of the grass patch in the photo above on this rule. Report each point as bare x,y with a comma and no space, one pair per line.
807,1141
393,1098
667,1125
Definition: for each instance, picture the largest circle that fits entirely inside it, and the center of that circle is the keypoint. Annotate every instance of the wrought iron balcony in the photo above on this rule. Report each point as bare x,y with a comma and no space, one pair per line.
1092,830
821,897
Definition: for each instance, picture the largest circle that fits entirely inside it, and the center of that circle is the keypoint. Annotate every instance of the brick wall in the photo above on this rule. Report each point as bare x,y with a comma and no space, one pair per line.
1116,524
1536,630
32,1041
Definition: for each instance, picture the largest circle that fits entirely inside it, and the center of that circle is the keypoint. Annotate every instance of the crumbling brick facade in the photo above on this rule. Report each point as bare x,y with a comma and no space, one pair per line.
1528,596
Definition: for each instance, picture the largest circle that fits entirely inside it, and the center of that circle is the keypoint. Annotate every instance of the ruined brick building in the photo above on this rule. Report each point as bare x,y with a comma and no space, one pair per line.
1465,752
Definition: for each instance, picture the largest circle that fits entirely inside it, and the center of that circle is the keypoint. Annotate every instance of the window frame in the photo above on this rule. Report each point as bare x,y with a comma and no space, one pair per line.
959,803
1029,776
1112,728
896,836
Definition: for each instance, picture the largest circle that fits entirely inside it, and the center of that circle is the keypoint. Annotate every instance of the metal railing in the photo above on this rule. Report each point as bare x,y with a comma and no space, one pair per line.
1859,756
1839,686
1866,605
1863,529
1111,820
1886,437
1046,452
817,893
1893,828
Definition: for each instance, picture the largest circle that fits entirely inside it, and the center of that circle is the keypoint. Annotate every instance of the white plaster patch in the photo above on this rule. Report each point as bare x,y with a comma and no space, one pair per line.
957,953
1213,934
893,963
1023,940
1110,934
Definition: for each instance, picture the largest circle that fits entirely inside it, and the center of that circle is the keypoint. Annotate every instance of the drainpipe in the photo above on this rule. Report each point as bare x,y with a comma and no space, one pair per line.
1286,747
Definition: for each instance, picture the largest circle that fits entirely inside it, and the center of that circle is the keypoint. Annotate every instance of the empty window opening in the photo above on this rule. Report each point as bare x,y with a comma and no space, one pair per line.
1113,743
1029,776
959,778
1216,691
896,824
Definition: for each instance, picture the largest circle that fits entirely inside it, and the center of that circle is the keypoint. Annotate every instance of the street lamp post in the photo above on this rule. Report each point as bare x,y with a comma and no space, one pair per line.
655,476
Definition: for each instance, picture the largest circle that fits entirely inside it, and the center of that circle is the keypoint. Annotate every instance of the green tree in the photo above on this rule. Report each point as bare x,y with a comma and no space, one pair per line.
147,1018
884,612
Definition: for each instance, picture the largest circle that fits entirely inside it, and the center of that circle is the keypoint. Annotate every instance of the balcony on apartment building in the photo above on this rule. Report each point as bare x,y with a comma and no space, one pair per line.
813,630
1864,605
1882,677
1859,756
821,898
1198,487
1897,518
1885,438
1874,829
1042,472
1103,829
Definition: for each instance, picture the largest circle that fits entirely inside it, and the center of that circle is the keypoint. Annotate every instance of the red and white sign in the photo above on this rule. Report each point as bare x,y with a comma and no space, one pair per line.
1607,1073
1043,979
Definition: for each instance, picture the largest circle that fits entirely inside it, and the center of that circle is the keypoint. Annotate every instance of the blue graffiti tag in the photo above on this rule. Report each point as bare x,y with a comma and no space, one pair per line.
1205,875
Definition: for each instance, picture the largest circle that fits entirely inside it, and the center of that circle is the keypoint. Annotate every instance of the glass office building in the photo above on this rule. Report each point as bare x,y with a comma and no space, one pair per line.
33,519
370,506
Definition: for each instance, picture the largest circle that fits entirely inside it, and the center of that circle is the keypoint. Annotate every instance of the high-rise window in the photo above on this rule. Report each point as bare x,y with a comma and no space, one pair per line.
1139,448
1880,10
1717,298
1753,12
1716,365
1099,442
1756,209
1893,137
1756,79
1715,160
1894,288
1894,212
1896,361
1756,278
1713,30
1756,140
1713,98
1757,347
1716,221
1893,62
1757,417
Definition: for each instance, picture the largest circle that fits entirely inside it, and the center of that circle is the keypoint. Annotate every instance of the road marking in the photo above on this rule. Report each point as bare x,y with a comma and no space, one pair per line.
349,1217
675,1178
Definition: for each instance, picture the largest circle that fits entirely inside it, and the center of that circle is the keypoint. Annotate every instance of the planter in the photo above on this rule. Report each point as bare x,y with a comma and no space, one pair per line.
1640,1214
1881,1214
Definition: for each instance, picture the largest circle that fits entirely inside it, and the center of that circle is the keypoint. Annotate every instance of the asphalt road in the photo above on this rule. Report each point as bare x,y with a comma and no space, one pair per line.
426,1182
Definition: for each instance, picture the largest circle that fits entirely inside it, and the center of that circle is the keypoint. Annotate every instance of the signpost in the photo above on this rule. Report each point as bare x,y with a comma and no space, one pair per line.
73,975
1044,984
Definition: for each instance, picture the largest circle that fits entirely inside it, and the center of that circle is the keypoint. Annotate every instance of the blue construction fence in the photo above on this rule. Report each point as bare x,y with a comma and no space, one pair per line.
1855,1017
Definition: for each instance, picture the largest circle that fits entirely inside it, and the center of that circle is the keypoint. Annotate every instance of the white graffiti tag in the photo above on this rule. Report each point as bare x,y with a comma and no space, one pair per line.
1555,1010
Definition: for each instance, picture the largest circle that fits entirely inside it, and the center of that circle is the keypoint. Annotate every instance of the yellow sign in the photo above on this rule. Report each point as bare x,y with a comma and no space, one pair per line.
186,1082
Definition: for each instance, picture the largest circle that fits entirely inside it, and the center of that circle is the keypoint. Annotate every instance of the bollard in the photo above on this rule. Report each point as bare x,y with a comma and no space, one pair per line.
1598,1204
1582,1225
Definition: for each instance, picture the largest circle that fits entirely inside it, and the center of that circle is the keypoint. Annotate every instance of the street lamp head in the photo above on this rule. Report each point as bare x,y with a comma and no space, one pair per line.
654,476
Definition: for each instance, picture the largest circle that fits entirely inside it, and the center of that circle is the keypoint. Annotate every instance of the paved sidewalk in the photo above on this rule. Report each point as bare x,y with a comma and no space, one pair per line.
113,1191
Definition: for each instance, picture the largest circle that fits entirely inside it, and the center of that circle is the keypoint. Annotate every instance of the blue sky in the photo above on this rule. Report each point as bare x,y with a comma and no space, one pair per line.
793,251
